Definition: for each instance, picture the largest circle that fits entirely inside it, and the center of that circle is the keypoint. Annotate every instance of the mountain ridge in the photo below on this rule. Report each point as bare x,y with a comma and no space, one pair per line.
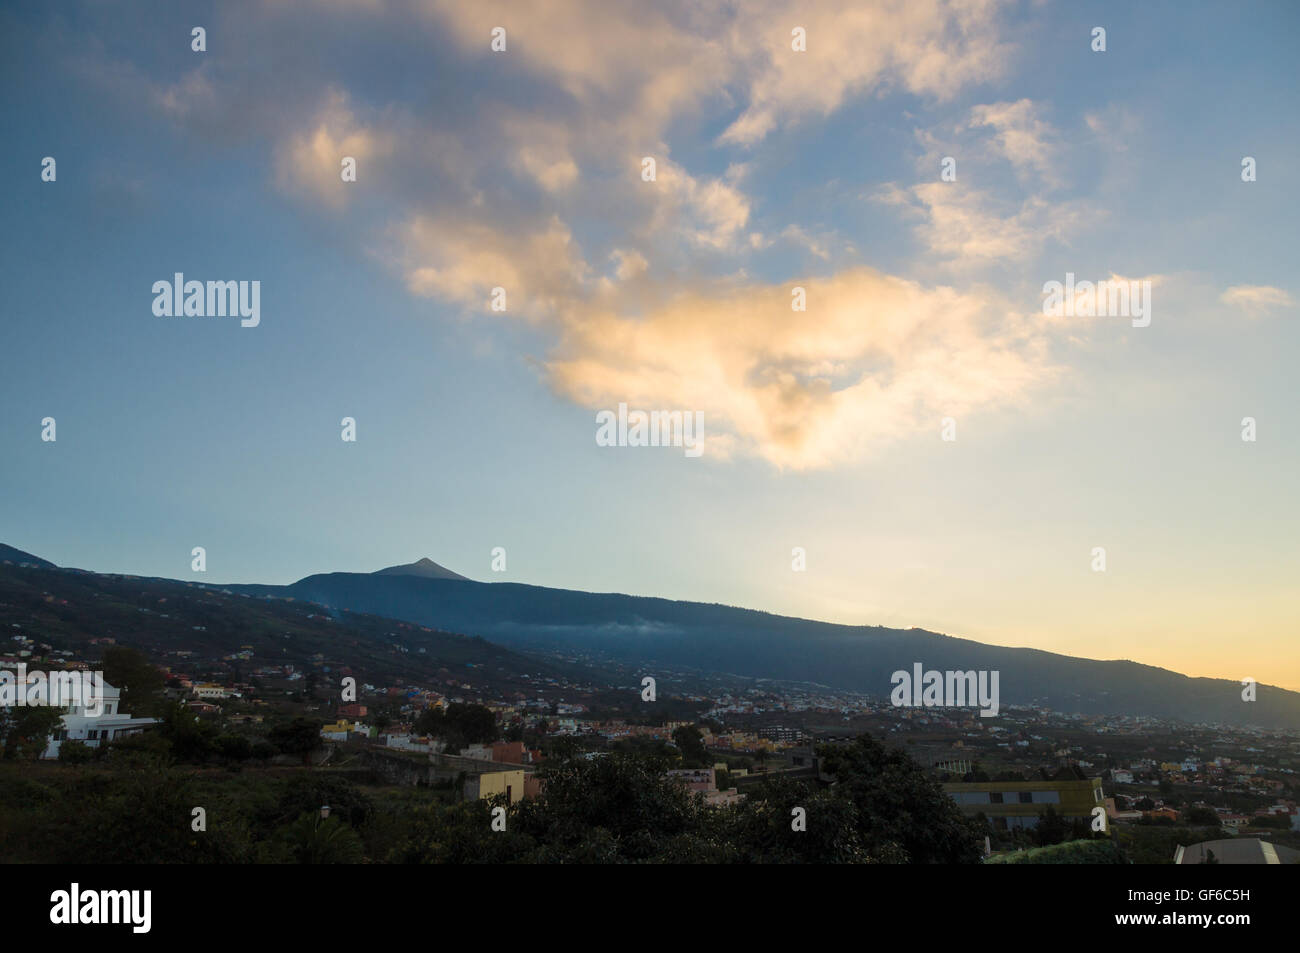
652,631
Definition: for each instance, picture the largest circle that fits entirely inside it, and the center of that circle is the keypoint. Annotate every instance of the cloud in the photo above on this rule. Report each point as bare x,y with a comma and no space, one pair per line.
816,245
629,69
707,211
192,94
1256,300
966,228
542,270
925,47
640,66
873,358
630,263
527,155
1116,127
1020,137
308,160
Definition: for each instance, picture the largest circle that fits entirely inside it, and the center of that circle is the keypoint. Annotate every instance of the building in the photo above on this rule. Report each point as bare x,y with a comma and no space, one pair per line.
513,784
342,729
1236,850
722,798
510,752
705,781
701,780
782,734
1115,814
111,724
1017,804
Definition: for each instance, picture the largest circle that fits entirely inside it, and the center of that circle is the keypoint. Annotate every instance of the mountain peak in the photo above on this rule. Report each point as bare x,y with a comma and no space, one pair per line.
425,567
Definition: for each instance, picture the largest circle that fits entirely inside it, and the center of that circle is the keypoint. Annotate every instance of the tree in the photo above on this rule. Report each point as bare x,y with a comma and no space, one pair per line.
25,730
459,725
313,840
619,807
300,736
189,737
233,747
761,828
140,682
1051,829
263,750
308,791
690,742
901,806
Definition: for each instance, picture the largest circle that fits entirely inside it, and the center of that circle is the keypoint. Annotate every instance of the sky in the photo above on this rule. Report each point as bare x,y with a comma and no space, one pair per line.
824,429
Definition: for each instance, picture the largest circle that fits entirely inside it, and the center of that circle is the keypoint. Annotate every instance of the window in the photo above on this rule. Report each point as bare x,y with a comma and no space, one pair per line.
995,797
1026,797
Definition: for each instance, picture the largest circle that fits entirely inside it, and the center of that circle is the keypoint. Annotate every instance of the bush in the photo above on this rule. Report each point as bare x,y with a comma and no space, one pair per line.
234,747
76,752
1071,852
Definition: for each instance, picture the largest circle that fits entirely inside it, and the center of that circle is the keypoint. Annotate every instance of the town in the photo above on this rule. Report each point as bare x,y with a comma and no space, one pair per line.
468,722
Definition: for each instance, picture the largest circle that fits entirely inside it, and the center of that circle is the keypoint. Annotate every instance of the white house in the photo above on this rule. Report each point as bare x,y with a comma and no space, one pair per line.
82,725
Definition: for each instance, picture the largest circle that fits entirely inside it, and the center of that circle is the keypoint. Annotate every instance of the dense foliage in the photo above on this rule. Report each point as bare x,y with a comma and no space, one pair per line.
138,805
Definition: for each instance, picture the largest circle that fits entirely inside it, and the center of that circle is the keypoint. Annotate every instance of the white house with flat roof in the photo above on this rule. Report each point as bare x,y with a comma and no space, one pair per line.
84,725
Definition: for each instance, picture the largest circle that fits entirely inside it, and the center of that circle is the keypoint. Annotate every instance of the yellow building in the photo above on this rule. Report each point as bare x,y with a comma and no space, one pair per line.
492,783
1014,804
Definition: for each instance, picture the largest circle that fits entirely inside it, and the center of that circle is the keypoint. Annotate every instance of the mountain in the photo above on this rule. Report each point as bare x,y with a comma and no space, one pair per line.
652,634
9,554
190,624
715,638
425,568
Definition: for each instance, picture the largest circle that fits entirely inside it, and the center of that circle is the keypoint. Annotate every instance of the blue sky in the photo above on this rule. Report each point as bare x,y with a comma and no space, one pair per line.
819,169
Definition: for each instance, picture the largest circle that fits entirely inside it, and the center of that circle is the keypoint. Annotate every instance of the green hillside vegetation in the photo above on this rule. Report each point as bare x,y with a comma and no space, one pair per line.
137,807
68,608
1070,852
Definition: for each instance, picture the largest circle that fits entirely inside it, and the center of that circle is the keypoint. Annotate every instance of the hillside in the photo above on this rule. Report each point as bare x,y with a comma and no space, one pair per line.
173,621
717,638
